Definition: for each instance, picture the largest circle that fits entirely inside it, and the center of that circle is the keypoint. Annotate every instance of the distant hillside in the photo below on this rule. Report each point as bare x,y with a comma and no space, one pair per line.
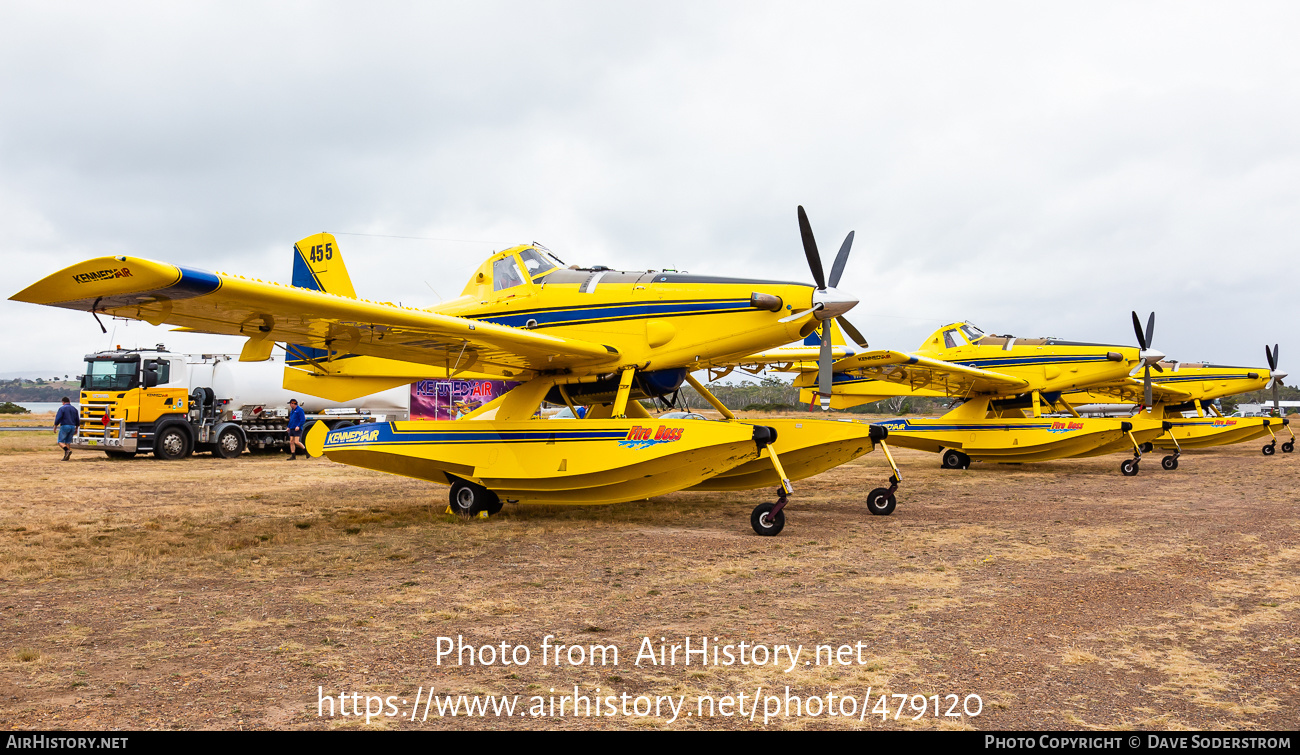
38,390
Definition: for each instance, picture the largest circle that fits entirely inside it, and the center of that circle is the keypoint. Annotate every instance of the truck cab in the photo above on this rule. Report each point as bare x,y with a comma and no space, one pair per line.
135,401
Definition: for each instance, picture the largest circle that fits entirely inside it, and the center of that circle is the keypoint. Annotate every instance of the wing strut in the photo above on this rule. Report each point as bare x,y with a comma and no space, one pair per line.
708,396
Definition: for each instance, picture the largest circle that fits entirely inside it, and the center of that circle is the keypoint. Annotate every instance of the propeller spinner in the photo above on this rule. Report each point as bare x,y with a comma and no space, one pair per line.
828,303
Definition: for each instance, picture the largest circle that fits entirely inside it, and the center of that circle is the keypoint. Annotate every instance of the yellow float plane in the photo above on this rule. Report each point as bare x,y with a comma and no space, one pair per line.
1184,387
567,335
1004,386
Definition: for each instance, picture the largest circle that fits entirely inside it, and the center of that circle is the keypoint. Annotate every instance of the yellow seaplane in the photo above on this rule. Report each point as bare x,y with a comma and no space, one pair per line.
566,334
1184,388
1003,388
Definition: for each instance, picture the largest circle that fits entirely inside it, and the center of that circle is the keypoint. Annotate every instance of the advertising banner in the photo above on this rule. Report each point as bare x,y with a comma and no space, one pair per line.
453,399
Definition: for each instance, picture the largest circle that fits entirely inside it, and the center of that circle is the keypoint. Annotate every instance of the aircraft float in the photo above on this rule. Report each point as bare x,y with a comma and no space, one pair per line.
566,334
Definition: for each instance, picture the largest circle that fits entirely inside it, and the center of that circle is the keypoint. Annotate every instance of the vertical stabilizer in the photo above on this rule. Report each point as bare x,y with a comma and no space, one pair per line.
318,265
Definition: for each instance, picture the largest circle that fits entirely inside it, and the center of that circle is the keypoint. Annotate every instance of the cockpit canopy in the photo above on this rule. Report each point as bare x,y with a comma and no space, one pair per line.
514,267
955,335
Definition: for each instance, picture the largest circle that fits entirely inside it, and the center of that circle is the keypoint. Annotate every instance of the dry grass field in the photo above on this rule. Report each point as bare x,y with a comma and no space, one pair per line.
221,594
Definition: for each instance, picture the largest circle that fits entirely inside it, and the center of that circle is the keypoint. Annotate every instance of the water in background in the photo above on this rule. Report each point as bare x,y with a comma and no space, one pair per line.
41,407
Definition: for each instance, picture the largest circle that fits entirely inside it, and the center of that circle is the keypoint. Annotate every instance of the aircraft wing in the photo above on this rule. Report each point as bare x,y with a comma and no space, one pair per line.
926,375
1131,390
785,358
206,302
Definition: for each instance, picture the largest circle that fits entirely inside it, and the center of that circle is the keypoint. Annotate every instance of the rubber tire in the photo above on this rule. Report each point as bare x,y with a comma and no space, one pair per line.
1148,447
468,499
1129,467
1288,447
881,502
167,449
1269,450
764,524
120,455
227,450
953,459
1169,463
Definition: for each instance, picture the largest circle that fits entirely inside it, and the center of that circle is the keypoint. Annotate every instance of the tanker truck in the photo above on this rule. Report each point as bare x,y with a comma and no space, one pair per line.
151,400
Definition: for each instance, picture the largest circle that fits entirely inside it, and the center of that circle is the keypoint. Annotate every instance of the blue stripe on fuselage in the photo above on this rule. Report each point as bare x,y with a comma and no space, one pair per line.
610,312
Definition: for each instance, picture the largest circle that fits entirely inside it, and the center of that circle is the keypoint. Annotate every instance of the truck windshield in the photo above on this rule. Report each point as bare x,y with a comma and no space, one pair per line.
110,375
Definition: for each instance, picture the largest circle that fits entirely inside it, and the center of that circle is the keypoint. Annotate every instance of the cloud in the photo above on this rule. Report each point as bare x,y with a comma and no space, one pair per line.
1039,170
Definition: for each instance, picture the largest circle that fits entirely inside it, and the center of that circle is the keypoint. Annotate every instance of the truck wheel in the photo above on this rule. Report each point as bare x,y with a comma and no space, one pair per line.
171,443
230,443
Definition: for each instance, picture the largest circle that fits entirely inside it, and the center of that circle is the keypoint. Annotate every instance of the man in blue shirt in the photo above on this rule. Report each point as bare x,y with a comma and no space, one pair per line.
66,420
297,418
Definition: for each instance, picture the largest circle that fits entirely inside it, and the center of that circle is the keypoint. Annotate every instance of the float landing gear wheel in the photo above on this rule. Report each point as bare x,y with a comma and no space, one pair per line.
767,519
954,459
1169,462
1270,449
1288,447
1129,467
468,499
881,502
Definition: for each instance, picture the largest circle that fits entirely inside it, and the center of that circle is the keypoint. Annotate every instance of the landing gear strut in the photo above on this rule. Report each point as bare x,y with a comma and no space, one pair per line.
768,519
1170,462
1129,467
881,501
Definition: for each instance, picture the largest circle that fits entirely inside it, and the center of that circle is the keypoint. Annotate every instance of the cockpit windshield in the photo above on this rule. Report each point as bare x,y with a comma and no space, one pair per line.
111,375
505,274
973,333
537,262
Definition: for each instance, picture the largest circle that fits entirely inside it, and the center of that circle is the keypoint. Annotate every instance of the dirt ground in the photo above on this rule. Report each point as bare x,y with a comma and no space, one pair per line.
210,593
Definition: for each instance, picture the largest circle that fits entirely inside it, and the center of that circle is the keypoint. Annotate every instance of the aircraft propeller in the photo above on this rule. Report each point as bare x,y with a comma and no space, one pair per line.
1277,376
828,303
1149,356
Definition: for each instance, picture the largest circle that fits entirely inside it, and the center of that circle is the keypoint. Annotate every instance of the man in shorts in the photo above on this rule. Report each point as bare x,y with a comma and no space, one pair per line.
297,418
66,421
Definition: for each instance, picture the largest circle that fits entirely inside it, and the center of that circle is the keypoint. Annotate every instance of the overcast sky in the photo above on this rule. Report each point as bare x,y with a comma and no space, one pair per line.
1035,168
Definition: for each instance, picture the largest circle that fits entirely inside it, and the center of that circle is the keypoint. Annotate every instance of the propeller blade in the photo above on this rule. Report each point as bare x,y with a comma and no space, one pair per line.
810,250
824,374
1151,330
837,269
1277,406
1137,328
1158,368
1146,384
851,331
1271,356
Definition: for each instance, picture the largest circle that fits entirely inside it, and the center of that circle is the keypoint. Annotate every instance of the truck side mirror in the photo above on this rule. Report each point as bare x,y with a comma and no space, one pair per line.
150,374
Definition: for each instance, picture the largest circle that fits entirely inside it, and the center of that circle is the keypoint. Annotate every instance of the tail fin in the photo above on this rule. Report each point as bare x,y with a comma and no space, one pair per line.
837,338
318,265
